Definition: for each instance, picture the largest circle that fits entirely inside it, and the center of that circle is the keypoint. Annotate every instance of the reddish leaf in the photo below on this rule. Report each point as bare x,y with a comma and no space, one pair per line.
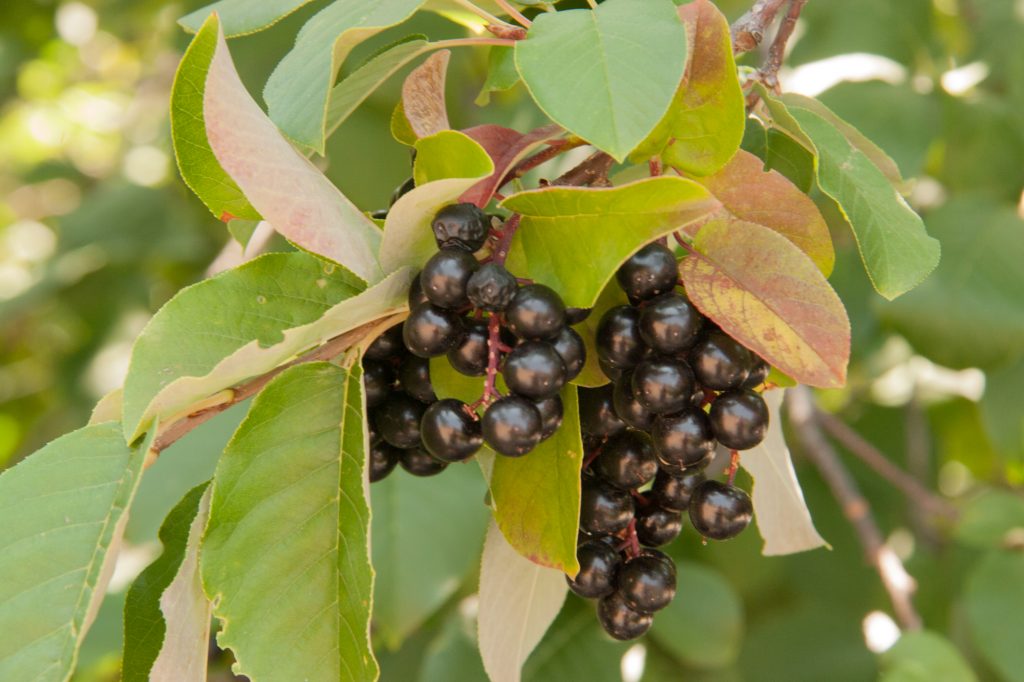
768,198
506,147
767,294
423,95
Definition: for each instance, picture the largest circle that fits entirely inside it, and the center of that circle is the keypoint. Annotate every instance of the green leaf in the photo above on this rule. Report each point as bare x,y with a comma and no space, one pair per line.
242,230
506,147
501,73
557,242
703,626
994,598
607,75
298,89
242,16
427,537
704,124
423,102
771,297
166,613
448,154
923,657
576,648
290,491
283,185
790,158
198,165
400,128
991,520
1004,421
64,510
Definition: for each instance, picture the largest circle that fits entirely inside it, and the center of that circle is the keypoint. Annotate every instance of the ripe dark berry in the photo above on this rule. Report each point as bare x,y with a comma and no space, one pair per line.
757,375
683,440
386,346
720,362
570,347
612,373
627,460
512,426
461,225
533,369
604,509
673,491
663,384
416,296
535,313
449,431
647,583
656,526
650,271
739,419
445,277
379,214
414,378
629,409
574,316
402,190
469,357
597,412
551,413
670,324
599,562
720,511
492,287
383,459
618,338
378,378
431,331
398,420
419,462
619,620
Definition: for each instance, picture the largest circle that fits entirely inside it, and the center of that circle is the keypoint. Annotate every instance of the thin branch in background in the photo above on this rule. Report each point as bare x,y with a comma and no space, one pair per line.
748,31
593,170
918,447
513,12
769,72
481,12
897,582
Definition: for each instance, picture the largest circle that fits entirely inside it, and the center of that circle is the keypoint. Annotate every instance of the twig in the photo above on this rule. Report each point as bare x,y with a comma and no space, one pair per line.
513,12
544,155
472,42
748,31
769,72
897,582
481,12
592,170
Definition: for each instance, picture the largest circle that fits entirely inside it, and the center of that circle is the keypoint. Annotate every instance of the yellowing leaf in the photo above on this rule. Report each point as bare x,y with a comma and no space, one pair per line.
423,95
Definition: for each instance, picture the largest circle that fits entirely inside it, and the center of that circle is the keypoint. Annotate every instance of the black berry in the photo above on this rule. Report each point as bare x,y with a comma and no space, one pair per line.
574,316
445,277
720,362
757,375
383,459
449,432
683,440
551,413
604,509
461,225
657,526
720,511
670,324
398,420
386,346
619,620
629,409
739,419
647,583
663,384
536,312
469,356
431,331
569,345
378,378
492,287
598,564
627,460
650,271
597,412
419,462
402,190
414,378
673,491
618,338
512,426
535,370
416,296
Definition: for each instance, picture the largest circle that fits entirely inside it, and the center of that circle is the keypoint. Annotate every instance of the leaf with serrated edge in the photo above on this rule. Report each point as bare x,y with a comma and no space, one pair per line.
518,601
64,509
284,186
241,17
289,489
607,75
574,238
768,295
506,147
247,358
423,96
750,193
704,124
298,90
783,519
166,613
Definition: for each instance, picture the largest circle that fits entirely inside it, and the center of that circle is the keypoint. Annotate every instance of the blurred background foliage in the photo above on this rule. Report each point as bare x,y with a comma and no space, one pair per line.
97,231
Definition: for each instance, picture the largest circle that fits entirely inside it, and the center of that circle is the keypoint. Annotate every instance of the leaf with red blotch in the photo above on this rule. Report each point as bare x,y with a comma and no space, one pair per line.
770,296
768,198
506,147
423,95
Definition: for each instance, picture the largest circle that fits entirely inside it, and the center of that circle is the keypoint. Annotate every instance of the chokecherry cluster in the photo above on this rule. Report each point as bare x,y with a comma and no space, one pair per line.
680,386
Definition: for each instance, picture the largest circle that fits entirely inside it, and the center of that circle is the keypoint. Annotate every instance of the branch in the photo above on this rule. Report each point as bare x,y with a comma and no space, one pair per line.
769,72
897,582
593,170
513,12
748,31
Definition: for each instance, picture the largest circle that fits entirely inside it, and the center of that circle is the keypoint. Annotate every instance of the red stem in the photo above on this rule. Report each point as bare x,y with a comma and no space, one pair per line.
734,465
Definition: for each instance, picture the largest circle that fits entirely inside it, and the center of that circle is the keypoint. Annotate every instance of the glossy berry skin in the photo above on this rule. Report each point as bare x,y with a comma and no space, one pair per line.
670,324
627,460
570,347
402,190
720,511
599,562
383,459
419,462
414,378
673,491
430,331
386,346
379,214
629,409
663,384
574,316
533,369
512,426
656,526
618,338
469,356
551,412
492,288
612,373
621,621
535,313
604,509
597,412
757,375
739,419
461,225
647,583
416,296
449,432
683,440
378,378
720,362
398,420
445,277
650,271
